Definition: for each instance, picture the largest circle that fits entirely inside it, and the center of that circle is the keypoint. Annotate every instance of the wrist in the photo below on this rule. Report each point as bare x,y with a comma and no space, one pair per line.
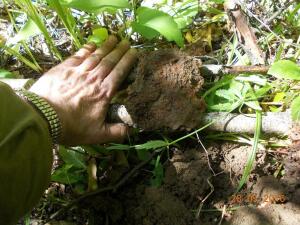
46,111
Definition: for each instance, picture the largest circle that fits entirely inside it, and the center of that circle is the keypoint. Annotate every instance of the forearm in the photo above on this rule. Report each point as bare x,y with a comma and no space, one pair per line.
25,156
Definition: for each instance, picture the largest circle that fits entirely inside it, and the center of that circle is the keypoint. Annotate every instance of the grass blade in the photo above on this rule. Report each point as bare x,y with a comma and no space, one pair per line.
30,9
67,19
251,157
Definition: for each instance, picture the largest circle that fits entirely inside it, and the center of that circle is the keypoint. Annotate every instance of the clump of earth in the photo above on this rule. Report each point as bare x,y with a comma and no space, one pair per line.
164,93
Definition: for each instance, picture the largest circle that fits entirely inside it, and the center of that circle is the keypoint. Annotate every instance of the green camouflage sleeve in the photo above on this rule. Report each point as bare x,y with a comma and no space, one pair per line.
25,156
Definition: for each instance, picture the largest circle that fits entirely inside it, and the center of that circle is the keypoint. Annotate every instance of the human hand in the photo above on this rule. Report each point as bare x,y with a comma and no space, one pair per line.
81,88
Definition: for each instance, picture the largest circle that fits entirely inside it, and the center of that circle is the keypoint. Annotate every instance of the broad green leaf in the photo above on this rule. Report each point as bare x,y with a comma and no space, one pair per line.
296,109
285,69
72,157
255,79
151,145
67,174
6,74
30,29
99,36
253,103
226,94
224,107
150,20
94,5
221,83
263,91
236,87
184,16
279,98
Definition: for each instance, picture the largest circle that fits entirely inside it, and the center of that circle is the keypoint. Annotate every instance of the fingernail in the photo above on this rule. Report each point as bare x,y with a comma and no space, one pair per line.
91,44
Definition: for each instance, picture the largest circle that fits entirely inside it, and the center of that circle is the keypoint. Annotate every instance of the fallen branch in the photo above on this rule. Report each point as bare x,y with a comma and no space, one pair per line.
207,70
277,123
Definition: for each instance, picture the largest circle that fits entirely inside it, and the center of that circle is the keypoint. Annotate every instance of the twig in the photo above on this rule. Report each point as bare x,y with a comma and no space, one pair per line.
208,70
207,155
112,188
223,214
212,189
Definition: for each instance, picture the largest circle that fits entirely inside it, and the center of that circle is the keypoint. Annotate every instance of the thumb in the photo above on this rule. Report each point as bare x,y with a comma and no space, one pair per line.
114,132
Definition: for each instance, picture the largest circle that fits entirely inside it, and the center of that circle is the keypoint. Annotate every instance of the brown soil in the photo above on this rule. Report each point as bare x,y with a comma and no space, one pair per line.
163,94
186,184
189,177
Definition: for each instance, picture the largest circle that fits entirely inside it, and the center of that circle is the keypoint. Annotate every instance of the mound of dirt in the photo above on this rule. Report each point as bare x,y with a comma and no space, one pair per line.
163,94
189,178
185,184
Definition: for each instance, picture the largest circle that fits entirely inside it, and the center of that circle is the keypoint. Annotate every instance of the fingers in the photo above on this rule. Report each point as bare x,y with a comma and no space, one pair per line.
111,133
93,60
119,73
79,56
111,60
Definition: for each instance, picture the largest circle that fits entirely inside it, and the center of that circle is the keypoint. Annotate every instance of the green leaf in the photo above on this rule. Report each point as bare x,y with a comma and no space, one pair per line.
251,157
263,91
99,36
150,22
236,87
253,103
221,83
151,145
6,74
296,109
72,157
158,173
30,29
65,15
226,94
285,69
143,154
255,79
67,174
224,107
185,13
94,5
118,147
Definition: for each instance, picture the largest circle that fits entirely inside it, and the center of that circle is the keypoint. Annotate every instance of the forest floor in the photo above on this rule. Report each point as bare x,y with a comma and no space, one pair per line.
199,179
199,187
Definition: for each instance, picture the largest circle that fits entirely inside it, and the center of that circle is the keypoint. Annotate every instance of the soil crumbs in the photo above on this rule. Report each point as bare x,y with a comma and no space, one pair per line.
164,93
191,175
